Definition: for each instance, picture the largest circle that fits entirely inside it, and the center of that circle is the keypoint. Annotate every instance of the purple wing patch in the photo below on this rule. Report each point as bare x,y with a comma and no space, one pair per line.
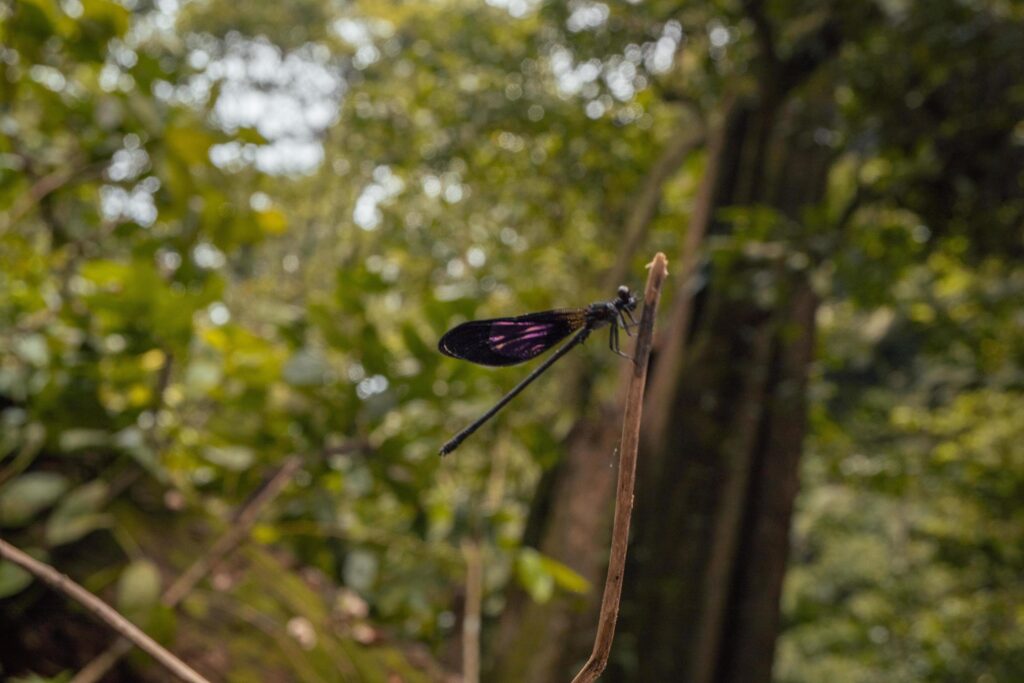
507,341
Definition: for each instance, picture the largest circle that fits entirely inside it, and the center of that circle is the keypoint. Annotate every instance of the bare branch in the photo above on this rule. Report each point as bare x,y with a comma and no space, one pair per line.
627,477
101,610
176,592
471,619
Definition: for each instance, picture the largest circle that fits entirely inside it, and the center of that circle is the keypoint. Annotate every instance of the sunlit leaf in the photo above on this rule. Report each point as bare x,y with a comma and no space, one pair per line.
13,579
28,494
534,576
191,145
272,221
138,589
78,514
230,457
79,439
564,577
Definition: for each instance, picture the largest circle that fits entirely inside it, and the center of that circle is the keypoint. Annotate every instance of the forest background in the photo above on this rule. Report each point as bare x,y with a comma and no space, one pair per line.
232,233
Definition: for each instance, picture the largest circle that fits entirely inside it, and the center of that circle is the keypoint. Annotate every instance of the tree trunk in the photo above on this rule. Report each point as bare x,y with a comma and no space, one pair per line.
718,479
748,641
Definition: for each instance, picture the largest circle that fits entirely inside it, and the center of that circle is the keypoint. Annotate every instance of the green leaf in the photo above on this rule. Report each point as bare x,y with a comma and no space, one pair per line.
67,530
78,514
414,342
78,439
114,16
32,24
191,145
230,457
202,376
564,576
138,590
13,579
533,576
33,349
306,368
250,136
25,497
161,623
272,221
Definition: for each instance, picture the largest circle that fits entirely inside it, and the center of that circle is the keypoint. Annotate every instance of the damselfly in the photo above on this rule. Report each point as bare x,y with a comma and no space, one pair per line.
508,341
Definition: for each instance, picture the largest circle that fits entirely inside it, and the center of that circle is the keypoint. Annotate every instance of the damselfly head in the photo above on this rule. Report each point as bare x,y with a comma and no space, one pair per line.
626,299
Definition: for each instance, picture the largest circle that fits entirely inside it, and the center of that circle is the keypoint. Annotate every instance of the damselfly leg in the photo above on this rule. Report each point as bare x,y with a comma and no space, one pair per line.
613,340
623,313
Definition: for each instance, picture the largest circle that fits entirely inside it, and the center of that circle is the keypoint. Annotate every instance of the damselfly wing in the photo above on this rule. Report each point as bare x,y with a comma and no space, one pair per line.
508,341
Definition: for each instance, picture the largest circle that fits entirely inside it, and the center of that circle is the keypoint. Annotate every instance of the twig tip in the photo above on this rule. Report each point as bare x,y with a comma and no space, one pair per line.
659,259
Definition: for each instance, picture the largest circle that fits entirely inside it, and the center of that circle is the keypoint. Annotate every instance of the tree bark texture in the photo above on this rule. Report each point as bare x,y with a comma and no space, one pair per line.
719,478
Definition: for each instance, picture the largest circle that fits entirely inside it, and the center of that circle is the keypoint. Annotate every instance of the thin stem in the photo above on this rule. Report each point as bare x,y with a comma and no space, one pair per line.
627,478
101,610
471,619
454,442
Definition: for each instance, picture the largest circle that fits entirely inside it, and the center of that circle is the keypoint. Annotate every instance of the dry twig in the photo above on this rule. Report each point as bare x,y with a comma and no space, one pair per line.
471,551
627,475
176,592
101,610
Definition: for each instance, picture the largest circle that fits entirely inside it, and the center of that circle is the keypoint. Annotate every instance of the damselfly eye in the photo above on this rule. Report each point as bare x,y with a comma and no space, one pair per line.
624,293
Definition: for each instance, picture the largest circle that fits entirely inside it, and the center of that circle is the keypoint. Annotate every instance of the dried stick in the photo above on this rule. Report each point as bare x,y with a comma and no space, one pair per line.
101,610
471,619
627,476
176,592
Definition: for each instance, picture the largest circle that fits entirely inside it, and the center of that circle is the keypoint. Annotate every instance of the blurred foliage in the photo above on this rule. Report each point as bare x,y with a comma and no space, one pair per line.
176,322
908,554
230,232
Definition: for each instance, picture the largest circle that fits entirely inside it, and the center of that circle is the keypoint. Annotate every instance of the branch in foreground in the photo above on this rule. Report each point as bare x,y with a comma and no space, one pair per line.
239,530
627,476
101,610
